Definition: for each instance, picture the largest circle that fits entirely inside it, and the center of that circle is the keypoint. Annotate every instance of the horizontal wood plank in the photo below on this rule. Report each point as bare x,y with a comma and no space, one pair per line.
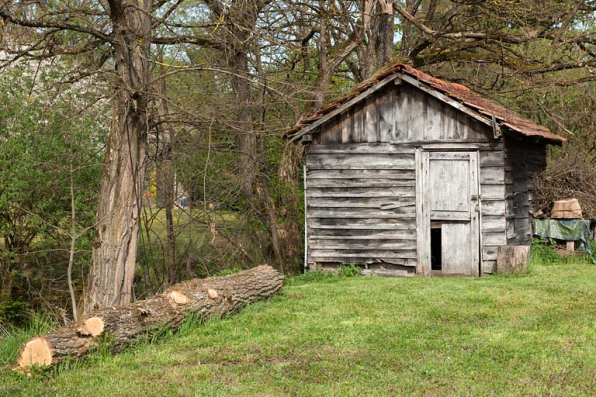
359,161
361,173
357,202
395,192
355,224
359,182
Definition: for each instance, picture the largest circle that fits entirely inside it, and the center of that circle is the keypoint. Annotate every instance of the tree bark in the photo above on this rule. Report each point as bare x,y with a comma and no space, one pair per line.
114,251
211,297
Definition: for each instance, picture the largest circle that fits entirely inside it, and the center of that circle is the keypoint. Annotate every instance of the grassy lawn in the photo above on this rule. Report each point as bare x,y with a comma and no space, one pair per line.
527,335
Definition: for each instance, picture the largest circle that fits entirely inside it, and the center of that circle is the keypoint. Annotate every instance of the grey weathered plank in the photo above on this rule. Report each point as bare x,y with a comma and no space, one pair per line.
344,107
489,253
357,202
401,117
359,161
352,244
489,267
493,222
331,262
359,117
493,208
387,109
397,192
492,192
417,116
459,106
366,173
433,128
492,175
359,234
361,148
371,120
363,224
397,254
490,158
359,182
494,239
364,213
456,253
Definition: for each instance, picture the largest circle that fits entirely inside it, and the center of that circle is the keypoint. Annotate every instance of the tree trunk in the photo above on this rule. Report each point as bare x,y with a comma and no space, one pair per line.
114,250
386,31
166,189
211,297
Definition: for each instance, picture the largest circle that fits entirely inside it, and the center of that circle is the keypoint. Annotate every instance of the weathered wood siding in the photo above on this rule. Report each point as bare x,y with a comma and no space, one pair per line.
361,204
492,190
361,179
523,159
401,114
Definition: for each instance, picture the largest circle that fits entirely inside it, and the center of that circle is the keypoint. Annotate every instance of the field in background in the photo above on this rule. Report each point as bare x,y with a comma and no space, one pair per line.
531,334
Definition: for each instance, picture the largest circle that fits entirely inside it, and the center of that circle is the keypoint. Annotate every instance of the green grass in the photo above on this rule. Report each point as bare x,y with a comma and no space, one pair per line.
531,334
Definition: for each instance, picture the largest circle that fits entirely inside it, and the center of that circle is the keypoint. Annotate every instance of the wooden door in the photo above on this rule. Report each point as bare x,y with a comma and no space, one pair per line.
449,192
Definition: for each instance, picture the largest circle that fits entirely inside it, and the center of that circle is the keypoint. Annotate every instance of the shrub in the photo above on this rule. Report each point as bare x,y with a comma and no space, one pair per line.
543,251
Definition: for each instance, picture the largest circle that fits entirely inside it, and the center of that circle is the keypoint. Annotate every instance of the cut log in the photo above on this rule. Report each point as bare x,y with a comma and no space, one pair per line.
211,297
511,258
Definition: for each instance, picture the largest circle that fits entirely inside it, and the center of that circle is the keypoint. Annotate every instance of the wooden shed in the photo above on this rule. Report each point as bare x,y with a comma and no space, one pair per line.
409,174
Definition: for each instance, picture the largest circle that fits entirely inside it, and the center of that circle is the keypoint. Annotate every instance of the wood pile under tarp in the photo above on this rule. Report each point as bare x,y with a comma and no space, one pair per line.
211,297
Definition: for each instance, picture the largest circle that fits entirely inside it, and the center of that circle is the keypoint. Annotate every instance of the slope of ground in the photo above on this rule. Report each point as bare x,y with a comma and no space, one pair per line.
530,334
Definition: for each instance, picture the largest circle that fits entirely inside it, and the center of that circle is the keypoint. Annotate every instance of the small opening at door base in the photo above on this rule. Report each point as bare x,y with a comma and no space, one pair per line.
435,247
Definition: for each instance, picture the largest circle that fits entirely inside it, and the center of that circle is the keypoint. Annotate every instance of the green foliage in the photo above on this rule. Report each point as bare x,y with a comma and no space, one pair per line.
14,311
349,271
52,140
228,271
543,251
315,276
592,258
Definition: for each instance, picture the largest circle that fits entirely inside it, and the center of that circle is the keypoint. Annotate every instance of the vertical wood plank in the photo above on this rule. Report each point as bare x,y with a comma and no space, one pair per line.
419,161
417,116
371,119
433,122
387,109
456,255
475,247
359,135
402,114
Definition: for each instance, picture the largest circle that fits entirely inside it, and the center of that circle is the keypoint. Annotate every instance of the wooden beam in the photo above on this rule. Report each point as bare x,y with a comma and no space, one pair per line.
345,106
444,98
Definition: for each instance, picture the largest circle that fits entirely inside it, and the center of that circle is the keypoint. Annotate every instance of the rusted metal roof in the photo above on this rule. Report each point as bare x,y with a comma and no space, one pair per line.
458,92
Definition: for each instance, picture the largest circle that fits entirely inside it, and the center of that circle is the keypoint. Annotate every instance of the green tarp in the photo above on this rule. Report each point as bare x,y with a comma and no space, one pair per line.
565,229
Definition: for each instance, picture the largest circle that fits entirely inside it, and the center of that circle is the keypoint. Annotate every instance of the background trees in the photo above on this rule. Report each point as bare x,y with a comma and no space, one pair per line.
201,91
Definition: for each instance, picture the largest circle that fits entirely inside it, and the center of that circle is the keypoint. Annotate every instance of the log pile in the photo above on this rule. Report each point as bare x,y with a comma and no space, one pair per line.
211,297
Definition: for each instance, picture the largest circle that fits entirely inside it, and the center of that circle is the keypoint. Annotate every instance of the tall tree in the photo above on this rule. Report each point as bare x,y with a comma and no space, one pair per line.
122,31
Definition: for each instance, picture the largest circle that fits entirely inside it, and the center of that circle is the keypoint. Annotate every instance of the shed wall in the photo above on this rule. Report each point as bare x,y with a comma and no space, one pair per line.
361,179
401,113
523,159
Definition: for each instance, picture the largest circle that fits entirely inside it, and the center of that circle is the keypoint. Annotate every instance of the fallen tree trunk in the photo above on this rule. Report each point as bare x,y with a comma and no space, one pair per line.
211,297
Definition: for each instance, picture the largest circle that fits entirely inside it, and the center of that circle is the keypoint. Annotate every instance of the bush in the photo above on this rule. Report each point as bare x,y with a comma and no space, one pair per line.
349,271
544,252
14,312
